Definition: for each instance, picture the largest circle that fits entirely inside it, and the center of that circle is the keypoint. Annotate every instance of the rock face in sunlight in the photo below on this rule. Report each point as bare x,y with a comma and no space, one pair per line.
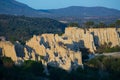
8,50
105,35
83,38
54,51
93,37
61,51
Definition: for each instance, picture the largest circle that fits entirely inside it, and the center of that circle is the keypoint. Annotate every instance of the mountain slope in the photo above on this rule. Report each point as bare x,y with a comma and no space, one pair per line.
70,14
15,8
78,11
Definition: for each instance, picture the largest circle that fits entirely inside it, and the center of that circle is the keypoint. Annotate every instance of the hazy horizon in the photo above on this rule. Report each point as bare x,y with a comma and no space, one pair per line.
45,4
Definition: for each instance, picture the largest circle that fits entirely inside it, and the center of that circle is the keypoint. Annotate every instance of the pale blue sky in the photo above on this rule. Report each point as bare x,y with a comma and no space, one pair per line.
54,4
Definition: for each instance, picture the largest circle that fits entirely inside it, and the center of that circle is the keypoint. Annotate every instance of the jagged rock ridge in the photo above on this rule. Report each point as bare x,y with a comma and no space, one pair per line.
48,48
60,51
93,37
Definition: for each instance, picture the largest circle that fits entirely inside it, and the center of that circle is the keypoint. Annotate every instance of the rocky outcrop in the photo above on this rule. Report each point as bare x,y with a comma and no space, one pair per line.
93,37
60,51
8,50
16,52
82,38
53,50
105,35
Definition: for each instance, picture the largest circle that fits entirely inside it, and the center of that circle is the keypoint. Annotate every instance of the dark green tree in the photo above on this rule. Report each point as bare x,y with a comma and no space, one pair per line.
89,24
117,23
73,25
101,25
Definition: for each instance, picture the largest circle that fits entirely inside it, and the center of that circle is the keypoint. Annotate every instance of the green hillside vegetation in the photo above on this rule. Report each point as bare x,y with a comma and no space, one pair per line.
93,24
107,67
107,48
21,28
102,68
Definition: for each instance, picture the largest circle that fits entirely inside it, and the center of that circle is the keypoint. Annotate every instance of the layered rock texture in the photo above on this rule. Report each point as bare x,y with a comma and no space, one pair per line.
60,51
7,49
93,37
51,49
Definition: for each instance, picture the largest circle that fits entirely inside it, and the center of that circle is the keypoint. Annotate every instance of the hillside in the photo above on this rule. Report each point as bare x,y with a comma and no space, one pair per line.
83,14
22,28
16,8
69,14
78,11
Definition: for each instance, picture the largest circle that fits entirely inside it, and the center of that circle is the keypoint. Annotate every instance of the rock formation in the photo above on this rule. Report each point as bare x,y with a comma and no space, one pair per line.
83,38
60,51
49,48
53,50
8,50
93,37
105,35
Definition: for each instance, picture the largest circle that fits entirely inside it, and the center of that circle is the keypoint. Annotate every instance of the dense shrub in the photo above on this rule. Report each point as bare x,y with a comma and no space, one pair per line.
101,67
106,64
106,48
33,67
7,62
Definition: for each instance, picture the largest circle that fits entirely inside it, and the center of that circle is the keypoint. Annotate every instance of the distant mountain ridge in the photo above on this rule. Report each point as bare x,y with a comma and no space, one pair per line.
79,11
69,14
16,8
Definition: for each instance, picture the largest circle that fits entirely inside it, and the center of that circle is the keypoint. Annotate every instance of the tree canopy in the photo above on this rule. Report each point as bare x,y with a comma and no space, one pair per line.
21,28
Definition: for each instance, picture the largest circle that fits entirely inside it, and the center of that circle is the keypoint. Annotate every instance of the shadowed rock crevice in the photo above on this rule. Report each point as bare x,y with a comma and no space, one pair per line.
32,53
0,51
96,39
45,43
19,49
29,51
76,45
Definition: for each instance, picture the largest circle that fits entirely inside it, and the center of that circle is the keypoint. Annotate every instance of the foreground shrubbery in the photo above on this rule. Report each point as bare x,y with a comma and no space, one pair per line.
108,67
106,48
30,70
102,68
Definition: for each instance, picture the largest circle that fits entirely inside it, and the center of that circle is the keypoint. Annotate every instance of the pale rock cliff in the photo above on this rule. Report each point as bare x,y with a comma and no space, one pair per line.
8,50
82,38
105,35
16,52
61,51
53,51
93,37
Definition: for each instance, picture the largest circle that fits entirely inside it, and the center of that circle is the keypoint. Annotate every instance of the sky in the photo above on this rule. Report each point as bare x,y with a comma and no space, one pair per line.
55,4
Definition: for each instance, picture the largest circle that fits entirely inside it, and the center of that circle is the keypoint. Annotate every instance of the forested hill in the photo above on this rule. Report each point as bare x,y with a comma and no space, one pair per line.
79,11
78,14
14,7
22,28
